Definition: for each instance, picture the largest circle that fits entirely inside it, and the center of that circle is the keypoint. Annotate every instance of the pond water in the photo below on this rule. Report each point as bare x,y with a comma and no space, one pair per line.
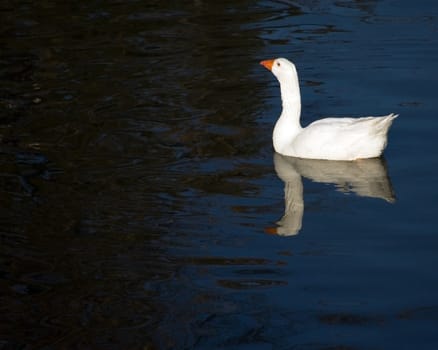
143,207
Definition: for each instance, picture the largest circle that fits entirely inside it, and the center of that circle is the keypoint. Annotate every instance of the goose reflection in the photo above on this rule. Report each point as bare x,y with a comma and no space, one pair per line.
366,178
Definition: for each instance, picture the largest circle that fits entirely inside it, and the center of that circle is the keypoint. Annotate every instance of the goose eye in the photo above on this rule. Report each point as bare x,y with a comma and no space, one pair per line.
278,64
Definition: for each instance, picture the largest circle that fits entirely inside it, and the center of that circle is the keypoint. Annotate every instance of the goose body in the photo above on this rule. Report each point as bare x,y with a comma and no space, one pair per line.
329,138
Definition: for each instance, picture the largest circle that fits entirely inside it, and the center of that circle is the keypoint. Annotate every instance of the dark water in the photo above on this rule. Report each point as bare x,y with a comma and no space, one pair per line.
138,181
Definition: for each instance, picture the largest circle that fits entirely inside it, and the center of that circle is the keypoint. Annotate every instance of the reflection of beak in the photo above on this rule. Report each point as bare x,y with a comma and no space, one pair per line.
267,64
271,230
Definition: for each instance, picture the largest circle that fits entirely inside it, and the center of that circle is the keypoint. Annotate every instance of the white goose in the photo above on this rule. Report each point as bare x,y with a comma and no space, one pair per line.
329,138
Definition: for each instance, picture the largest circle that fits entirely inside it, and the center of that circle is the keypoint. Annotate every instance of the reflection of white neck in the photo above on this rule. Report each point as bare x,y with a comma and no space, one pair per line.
290,223
288,125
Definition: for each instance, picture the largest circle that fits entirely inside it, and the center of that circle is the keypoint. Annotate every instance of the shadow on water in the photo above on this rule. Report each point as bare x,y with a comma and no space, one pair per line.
110,114
136,178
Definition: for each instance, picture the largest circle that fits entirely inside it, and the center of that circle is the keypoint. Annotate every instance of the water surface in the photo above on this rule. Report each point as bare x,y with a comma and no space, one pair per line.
142,205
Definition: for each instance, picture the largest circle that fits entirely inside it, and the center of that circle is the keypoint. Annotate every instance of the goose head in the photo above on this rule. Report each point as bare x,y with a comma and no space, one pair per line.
282,68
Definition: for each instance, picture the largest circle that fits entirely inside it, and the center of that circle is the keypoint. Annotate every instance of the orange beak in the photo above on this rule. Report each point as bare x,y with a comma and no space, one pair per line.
267,64
271,230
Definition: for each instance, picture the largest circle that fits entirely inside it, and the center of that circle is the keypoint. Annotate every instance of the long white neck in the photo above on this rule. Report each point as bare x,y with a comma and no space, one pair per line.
288,125
291,98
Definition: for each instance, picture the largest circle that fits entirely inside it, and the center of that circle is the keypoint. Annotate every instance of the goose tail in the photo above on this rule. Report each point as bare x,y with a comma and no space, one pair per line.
384,123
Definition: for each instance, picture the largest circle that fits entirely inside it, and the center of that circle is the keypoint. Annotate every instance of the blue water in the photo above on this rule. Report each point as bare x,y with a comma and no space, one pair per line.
143,205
